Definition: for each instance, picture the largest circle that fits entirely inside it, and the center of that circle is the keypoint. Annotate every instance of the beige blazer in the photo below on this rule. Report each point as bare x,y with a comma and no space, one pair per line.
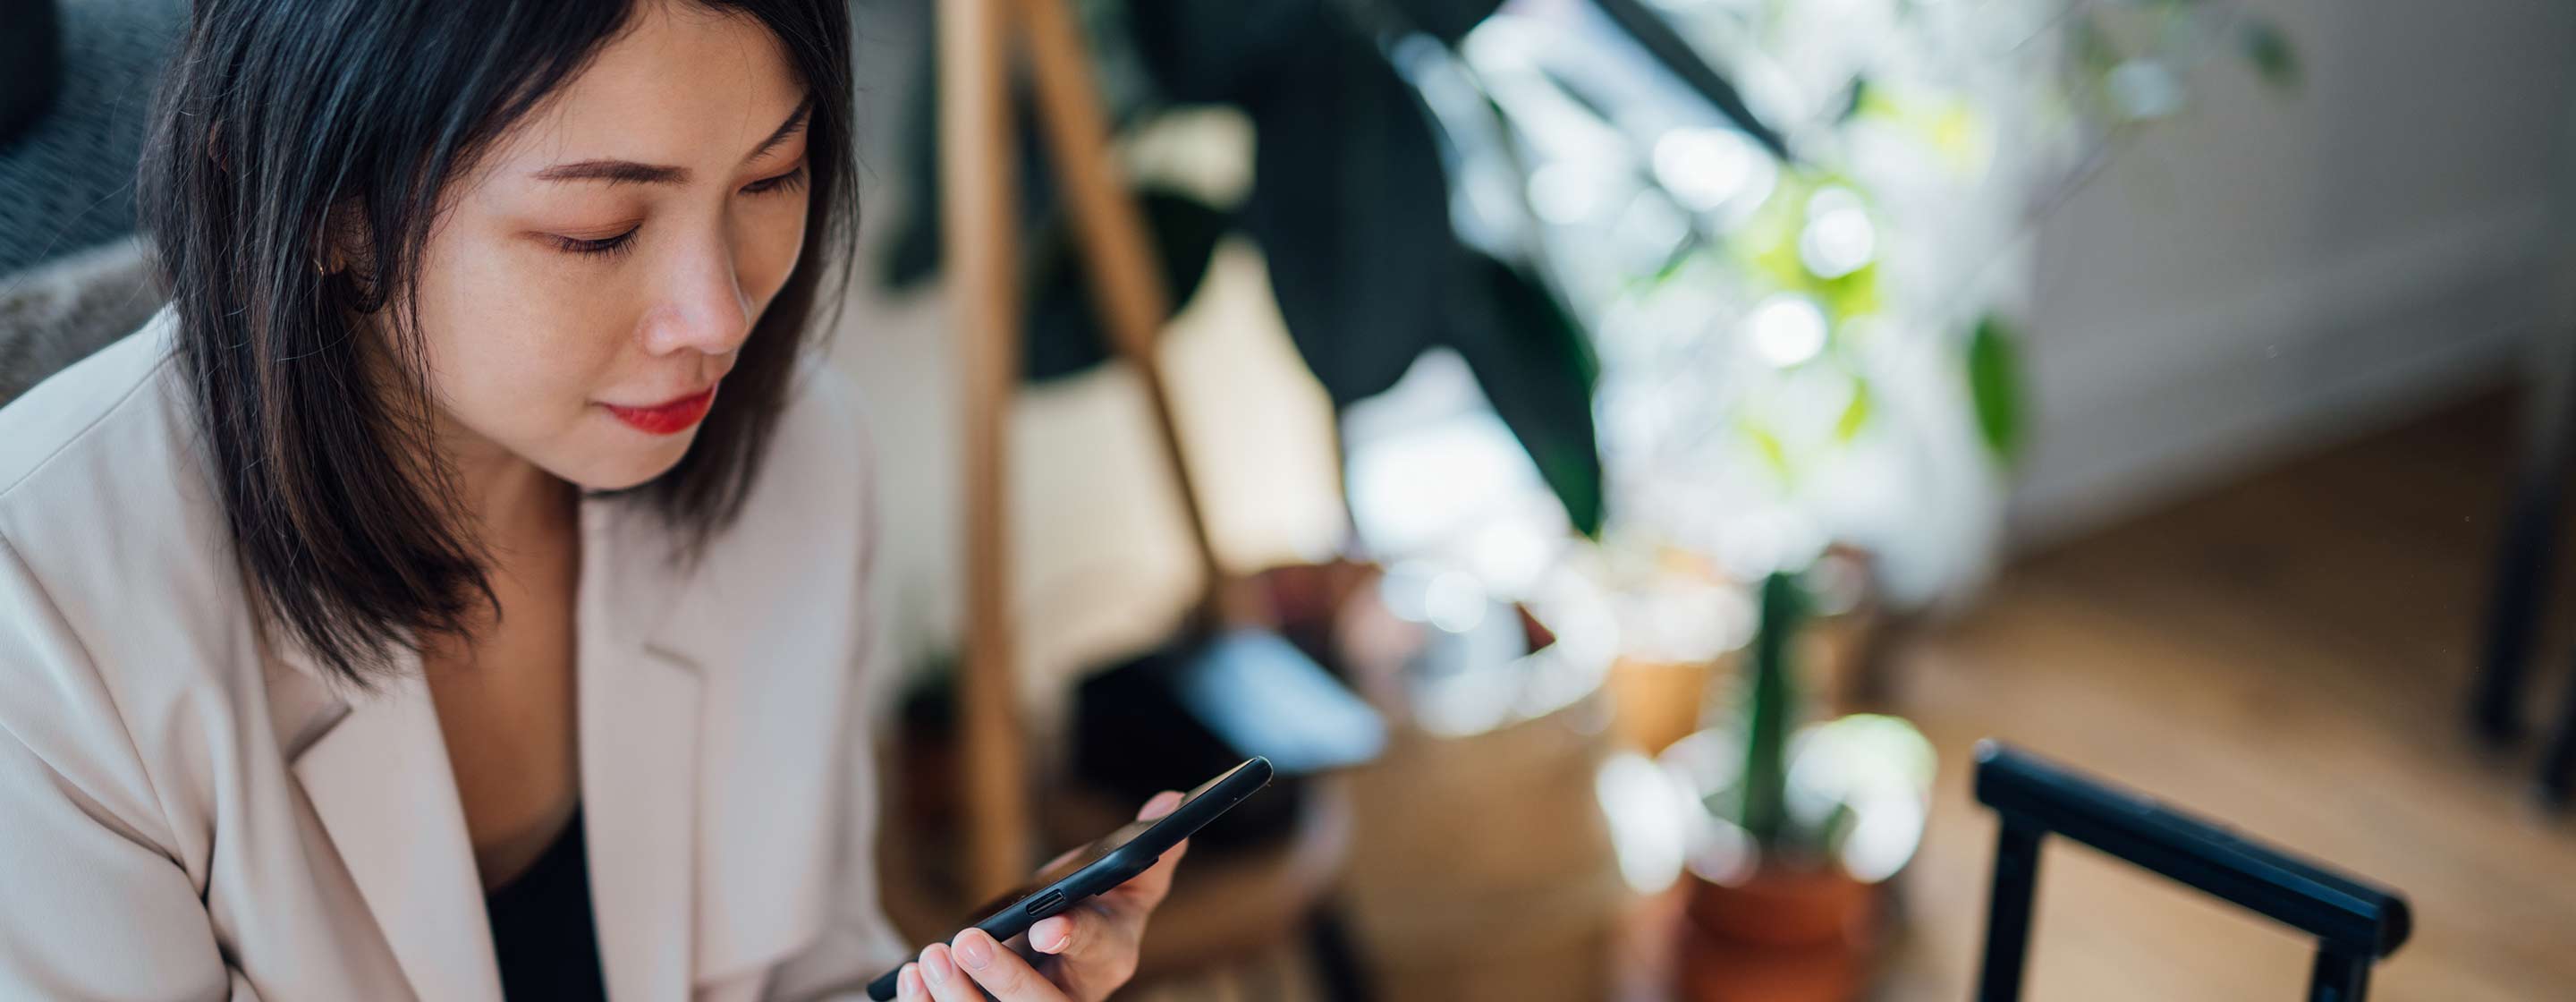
183,818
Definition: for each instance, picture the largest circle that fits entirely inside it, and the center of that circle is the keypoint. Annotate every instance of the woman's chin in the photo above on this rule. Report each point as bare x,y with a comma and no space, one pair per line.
631,467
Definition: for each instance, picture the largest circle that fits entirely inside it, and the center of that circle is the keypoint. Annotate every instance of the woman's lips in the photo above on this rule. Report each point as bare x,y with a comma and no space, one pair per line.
667,418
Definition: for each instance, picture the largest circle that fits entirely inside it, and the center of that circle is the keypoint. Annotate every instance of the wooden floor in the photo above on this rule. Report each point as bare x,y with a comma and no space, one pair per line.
2289,655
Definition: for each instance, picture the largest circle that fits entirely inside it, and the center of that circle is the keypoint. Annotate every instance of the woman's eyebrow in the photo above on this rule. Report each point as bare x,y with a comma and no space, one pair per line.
630,172
794,124
614,172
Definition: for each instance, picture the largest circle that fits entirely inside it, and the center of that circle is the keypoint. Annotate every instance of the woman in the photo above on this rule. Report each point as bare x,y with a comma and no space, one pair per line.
472,541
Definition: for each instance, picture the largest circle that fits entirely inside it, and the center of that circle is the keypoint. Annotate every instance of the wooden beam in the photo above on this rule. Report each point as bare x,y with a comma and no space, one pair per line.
1126,283
980,220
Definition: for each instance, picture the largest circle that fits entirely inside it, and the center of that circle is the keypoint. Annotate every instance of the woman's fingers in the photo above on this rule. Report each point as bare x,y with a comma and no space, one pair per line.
1090,951
1142,893
952,972
1054,934
1159,805
938,978
998,969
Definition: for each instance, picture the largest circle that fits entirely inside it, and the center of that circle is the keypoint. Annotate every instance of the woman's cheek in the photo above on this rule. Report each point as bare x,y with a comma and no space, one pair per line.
776,240
526,350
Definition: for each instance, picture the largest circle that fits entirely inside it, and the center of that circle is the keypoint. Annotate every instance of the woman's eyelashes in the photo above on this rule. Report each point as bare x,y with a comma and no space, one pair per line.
787,182
774,185
599,248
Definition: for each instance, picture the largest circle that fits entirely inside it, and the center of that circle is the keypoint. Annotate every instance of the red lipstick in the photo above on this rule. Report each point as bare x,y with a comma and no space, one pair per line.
669,418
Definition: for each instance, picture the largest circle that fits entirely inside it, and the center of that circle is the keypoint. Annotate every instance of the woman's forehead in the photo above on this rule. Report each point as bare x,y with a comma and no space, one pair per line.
683,85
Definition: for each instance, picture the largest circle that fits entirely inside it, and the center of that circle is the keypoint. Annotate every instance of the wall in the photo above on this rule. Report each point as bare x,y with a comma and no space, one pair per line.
2272,271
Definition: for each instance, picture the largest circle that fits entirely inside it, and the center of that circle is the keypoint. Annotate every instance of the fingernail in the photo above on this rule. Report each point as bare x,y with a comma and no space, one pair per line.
1163,803
908,984
971,949
1059,934
935,966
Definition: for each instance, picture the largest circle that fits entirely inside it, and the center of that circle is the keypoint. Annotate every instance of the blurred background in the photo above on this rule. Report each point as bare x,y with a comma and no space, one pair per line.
1619,457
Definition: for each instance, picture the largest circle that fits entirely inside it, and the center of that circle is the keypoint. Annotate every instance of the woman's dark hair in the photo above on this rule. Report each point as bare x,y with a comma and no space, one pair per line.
286,128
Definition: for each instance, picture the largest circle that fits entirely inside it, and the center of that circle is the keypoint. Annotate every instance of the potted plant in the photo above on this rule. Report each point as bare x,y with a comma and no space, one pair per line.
1802,828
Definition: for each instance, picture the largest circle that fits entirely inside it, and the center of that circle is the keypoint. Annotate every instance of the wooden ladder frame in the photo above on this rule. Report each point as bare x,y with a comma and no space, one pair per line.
981,221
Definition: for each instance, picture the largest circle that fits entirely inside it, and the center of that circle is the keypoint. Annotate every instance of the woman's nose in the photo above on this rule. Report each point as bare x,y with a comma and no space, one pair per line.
704,307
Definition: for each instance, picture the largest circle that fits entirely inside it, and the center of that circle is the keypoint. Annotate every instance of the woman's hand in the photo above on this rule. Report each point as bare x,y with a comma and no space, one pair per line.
1086,952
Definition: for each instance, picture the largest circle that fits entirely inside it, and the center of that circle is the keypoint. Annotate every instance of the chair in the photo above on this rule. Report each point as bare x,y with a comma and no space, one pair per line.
2355,923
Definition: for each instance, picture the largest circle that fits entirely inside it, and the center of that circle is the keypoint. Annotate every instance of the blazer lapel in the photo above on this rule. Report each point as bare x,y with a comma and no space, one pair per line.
713,795
637,709
380,782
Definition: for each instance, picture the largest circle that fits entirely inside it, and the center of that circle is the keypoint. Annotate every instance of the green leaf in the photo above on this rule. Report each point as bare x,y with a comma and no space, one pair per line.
1852,294
1537,371
1855,414
2268,48
1994,384
1351,209
1064,334
1655,34
2093,47
1860,97
1774,454
1771,709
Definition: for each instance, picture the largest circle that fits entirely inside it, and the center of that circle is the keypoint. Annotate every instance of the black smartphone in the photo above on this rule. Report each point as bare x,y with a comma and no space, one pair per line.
1107,862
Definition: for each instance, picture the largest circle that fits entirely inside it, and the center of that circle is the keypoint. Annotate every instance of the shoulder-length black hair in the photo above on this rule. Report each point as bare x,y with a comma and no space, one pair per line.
284,126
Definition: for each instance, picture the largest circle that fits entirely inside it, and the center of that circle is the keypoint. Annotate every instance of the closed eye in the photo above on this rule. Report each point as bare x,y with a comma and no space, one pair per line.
601,247
787,182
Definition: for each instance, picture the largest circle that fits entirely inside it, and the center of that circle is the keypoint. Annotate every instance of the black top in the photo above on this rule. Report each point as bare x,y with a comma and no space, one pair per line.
541,926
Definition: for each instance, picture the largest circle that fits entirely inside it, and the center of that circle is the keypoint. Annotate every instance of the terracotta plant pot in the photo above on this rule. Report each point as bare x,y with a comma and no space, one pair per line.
1805,922
1784,935
1787,907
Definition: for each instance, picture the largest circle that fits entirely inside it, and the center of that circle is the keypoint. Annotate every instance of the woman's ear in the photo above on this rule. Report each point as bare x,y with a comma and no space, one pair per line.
346,239
346,252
